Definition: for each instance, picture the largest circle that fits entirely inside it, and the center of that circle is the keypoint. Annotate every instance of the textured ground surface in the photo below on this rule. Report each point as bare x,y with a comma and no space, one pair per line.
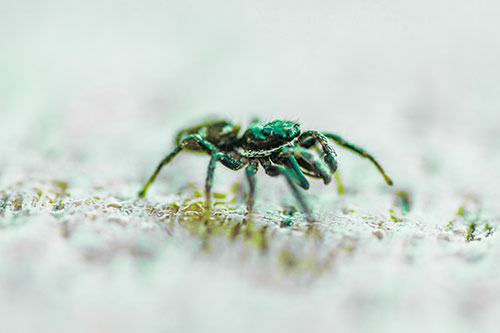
79,251
91,98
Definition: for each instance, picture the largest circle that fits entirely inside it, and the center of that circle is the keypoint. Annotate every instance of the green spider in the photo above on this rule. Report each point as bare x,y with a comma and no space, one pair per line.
278,146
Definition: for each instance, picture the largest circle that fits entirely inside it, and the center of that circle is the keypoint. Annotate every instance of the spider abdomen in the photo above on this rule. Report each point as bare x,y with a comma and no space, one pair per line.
222,134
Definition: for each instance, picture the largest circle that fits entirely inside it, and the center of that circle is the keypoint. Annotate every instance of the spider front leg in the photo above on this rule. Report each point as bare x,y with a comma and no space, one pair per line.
276,170
359,151
309,162
287,158
309,139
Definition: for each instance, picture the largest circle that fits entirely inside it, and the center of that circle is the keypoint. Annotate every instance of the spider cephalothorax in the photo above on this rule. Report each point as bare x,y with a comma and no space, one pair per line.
278,146
263,137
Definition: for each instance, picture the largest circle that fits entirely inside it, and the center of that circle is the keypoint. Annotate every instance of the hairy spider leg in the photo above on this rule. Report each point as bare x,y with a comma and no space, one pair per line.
309,138
200,142
228,161
292,165
360,151
276,170
164,162
318,168
251,171
308,142
308,167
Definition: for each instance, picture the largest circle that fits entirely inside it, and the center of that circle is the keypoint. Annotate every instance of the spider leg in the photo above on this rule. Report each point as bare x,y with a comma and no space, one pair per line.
188,142
164,162
312,163
308,142
291,163
228,161
276,170
359,151
250,172
309,138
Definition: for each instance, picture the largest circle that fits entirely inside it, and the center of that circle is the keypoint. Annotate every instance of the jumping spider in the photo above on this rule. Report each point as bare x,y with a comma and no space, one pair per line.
279,146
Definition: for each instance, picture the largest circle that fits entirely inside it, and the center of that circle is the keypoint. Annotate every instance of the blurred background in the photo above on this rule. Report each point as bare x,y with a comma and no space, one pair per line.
110,82
90,70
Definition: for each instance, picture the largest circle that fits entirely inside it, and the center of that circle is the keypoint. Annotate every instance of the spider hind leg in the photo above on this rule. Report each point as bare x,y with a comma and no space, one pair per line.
227,161
196,142
165,161
193,141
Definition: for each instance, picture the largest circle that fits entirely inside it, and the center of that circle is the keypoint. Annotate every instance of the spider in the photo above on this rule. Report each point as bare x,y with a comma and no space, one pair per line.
278,146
